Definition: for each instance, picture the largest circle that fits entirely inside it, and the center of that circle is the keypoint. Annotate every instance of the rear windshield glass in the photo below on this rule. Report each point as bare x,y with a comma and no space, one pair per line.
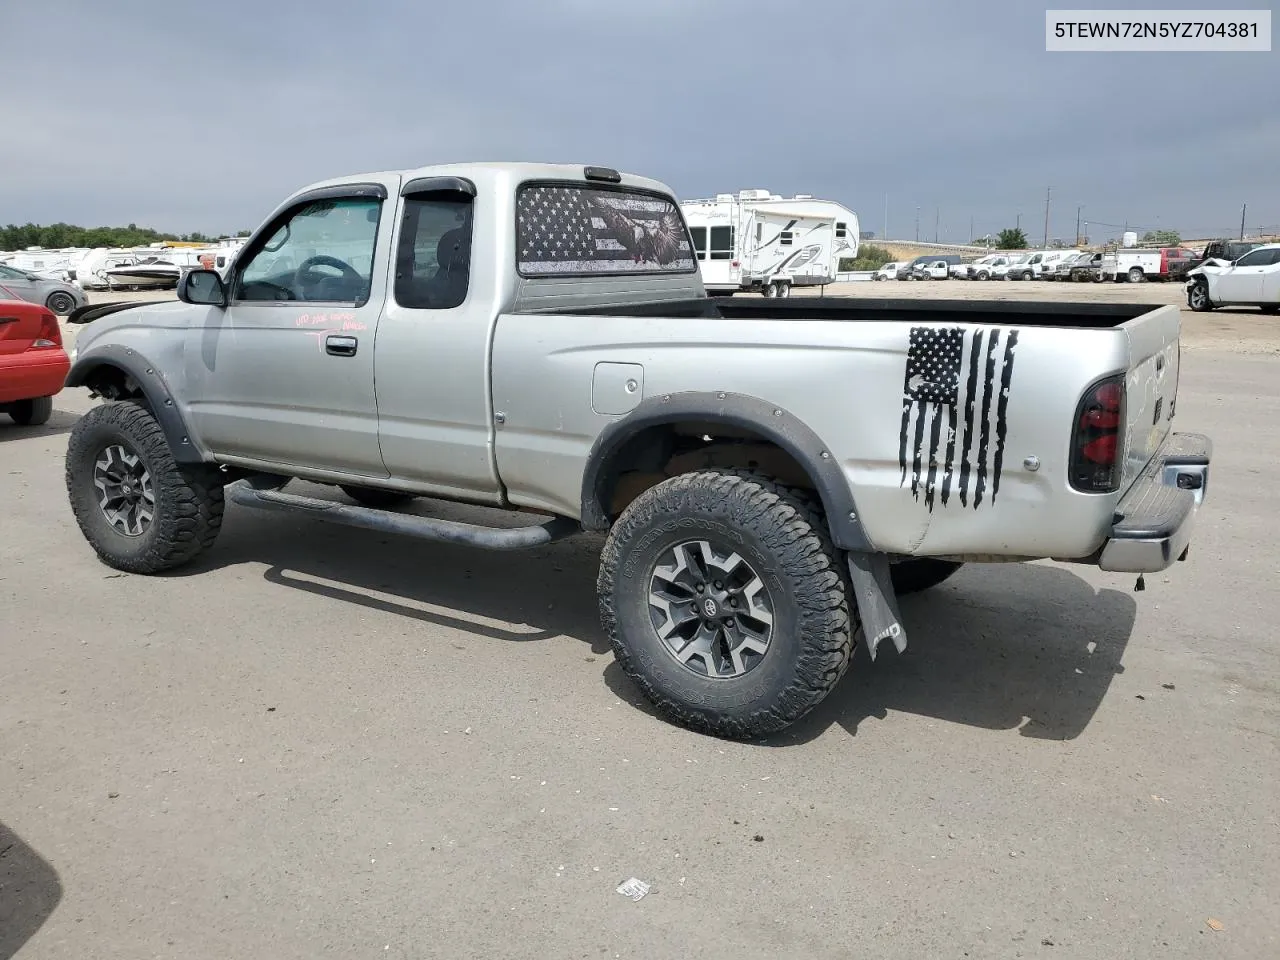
568,230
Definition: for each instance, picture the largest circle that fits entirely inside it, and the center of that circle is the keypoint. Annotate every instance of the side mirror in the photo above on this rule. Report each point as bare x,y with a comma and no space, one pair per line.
203,288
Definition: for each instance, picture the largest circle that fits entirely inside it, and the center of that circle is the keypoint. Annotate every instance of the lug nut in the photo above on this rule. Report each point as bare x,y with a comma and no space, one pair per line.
701,587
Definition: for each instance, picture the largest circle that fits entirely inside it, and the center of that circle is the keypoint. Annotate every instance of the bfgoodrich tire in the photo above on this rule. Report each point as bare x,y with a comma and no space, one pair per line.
912,576
726,603
140,510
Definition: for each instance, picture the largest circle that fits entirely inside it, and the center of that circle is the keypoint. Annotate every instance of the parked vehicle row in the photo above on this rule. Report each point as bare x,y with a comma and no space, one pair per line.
1132,265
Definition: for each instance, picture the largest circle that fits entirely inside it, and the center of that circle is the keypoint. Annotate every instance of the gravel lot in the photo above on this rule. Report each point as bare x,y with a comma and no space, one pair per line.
320,742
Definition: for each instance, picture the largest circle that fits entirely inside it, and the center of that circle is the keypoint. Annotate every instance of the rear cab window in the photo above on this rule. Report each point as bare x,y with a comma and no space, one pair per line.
584,230
433,249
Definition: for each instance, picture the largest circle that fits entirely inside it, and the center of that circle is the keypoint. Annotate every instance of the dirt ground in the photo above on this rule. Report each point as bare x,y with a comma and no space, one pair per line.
319,742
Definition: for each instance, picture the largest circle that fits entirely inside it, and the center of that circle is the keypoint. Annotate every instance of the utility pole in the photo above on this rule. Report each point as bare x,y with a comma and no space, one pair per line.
1078,209
1019,222
917,223
1047,194
1242,210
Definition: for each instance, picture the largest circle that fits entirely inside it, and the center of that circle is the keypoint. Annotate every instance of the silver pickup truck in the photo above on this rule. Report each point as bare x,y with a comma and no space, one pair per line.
770,474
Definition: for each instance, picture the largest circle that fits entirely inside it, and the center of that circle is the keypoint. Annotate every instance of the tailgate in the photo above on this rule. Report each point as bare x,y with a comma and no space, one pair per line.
1151,388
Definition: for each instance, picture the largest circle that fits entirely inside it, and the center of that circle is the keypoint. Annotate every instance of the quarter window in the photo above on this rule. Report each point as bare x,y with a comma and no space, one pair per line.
322,253
433,255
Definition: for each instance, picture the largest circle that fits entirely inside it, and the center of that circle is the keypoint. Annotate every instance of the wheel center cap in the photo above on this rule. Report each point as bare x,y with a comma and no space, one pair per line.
710,609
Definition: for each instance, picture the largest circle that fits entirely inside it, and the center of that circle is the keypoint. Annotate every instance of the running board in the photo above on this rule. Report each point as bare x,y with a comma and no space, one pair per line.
405,524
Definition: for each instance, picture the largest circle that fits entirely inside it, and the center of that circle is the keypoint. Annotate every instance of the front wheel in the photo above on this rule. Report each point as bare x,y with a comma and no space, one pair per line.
31,413
725,602
1198,297
140,510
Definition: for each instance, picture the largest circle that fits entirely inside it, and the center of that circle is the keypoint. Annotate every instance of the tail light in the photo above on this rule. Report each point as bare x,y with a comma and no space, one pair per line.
1095,440
50,334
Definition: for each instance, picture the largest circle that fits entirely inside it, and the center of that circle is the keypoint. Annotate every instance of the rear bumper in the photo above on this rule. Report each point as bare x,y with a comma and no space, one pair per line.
34,373
1155,518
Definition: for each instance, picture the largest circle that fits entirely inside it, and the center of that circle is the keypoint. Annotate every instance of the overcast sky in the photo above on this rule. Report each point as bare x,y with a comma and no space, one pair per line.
187,116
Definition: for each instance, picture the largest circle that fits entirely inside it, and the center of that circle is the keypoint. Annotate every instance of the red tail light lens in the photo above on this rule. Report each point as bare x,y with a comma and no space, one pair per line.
50,334
1095,440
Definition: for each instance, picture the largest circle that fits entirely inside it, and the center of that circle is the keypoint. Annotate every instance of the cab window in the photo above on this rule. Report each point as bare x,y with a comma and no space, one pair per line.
433,256
323,252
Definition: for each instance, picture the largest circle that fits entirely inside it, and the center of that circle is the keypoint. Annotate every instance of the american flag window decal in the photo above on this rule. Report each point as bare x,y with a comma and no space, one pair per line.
568,230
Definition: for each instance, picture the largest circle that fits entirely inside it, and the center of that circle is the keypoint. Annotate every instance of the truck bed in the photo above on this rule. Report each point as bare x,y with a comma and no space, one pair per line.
849,309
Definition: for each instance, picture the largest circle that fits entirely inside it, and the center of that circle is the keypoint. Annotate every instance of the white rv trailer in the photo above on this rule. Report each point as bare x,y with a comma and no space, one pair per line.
763,242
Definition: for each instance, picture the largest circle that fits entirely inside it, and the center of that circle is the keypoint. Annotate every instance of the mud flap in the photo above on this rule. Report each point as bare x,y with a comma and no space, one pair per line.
877,602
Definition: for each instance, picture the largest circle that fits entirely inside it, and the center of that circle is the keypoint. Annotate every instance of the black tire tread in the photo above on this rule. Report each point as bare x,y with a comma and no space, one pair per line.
31,413
192,493
794,529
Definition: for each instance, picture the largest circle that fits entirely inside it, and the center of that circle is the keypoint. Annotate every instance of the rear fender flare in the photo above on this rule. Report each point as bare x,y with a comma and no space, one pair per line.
768,420
150,382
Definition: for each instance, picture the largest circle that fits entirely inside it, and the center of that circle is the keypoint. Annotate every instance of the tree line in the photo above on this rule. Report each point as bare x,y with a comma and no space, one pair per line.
56,235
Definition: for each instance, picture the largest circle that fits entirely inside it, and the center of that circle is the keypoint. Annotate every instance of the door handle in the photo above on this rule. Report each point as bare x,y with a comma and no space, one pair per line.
341,346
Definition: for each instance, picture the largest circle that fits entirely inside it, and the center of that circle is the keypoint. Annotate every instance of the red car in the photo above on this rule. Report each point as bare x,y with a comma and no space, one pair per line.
33,365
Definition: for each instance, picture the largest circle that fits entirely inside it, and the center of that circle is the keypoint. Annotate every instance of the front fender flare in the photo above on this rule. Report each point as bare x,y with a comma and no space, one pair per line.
770,421
156,392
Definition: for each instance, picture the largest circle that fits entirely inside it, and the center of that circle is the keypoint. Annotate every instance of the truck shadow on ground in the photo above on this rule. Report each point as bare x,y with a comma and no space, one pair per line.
1032,647
61,422
29,892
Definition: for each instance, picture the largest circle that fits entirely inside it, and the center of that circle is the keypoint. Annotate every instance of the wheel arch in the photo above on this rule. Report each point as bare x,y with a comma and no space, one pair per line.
646,439
121,373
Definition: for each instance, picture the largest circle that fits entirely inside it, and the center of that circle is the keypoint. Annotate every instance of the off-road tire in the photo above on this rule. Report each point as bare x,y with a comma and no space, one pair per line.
782,538
188,497
31,413
921,573
376,498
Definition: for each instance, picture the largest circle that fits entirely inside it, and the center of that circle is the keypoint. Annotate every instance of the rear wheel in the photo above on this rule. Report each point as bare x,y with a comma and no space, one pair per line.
377,498
140,509
61,303
770,290
1135,275
784,290
1270,308
31,413
983,275
726,602
921,573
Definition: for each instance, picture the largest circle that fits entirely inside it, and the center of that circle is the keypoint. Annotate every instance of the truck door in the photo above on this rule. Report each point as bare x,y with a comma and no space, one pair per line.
284,373
435,421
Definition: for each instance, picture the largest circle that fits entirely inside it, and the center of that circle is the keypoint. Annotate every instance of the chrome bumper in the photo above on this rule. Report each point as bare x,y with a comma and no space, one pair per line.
1154,519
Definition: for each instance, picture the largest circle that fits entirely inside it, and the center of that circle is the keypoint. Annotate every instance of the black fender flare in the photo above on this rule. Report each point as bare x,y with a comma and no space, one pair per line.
154,389
770,421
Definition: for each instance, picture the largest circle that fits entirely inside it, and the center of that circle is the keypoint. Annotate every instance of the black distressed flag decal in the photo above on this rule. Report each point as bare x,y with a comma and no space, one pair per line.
955,404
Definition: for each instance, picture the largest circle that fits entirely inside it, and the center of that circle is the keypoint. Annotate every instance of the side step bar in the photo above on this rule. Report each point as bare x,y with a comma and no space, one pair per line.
245,494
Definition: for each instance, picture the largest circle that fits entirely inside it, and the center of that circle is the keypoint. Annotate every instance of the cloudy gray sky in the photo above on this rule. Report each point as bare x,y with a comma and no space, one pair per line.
187,116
